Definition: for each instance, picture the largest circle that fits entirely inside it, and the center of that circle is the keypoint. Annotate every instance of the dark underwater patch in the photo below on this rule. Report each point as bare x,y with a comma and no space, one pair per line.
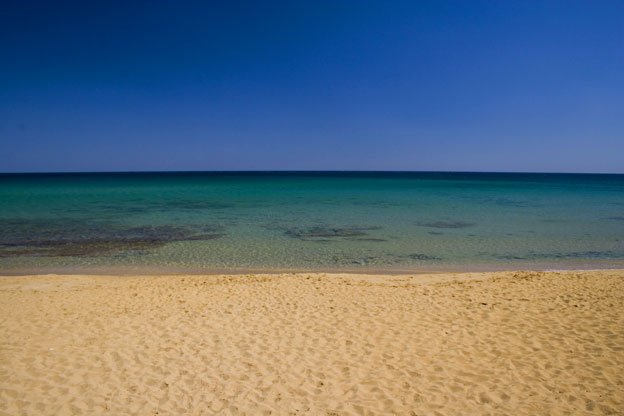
594,255
586,255
510,257
368,260
69,238
445,224
616,218
420,256
323,232
349,259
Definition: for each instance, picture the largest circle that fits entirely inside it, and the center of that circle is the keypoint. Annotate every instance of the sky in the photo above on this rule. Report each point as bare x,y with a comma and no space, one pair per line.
312,85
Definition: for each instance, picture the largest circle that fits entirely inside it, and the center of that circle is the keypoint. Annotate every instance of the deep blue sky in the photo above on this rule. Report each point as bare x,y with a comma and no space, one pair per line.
338,85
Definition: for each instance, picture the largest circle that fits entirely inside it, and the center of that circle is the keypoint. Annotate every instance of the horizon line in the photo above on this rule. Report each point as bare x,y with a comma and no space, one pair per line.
251,171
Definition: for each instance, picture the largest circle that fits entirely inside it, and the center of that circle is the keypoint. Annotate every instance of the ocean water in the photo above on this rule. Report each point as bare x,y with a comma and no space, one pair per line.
364,221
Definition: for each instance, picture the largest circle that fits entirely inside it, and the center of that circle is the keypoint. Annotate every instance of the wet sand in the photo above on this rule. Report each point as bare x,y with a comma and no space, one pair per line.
517,343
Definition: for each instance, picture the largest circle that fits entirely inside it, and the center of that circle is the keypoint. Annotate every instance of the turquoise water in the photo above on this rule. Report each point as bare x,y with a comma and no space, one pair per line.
301,221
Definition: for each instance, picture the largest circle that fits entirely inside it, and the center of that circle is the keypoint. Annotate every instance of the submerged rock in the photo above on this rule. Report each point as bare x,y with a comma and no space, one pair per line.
420,256
321,232
62,238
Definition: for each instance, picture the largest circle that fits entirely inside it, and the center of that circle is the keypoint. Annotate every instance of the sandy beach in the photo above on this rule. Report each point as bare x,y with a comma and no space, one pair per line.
513,343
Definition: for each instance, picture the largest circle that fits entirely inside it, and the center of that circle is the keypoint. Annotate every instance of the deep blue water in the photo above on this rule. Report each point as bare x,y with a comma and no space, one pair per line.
310,220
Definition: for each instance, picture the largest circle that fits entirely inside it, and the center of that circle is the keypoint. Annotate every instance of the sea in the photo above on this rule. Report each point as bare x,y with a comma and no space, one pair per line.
403,222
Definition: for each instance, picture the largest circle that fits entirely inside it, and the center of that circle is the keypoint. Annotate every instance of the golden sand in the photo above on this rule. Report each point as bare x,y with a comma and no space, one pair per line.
514,343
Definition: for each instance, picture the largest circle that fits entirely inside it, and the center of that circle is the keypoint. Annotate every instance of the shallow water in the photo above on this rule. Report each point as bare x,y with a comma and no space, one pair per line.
300,221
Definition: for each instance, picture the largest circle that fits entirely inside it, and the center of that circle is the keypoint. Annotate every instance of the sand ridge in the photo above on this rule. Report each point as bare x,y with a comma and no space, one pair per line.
321,344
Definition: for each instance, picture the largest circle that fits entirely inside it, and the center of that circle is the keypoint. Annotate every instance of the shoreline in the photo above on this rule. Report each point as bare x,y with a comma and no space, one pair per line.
144,270
523,342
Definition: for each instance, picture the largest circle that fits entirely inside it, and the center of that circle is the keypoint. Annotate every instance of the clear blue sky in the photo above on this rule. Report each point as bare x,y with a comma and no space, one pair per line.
338,85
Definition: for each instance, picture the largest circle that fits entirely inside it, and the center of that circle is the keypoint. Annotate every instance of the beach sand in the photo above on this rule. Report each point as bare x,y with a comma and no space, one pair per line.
514,343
